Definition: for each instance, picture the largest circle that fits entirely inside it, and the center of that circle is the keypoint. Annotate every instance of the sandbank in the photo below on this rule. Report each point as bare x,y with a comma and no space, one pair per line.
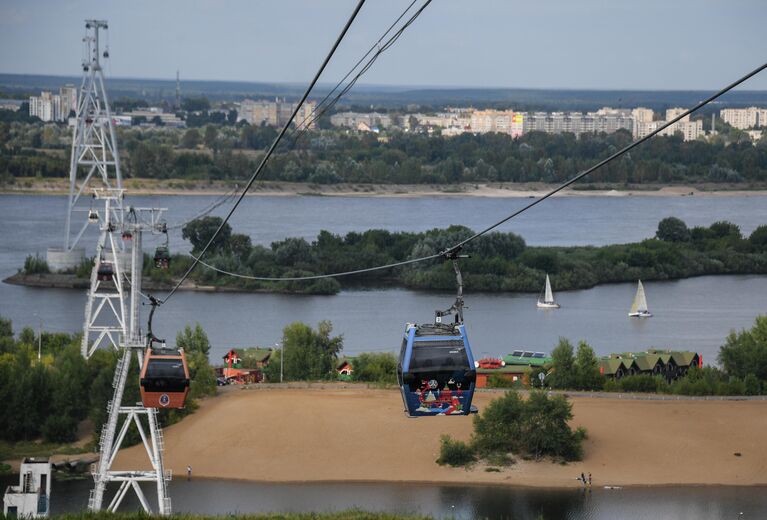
356,434
145,187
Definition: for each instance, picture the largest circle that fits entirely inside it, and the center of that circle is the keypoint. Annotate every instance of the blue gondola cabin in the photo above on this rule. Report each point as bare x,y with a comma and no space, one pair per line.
436,370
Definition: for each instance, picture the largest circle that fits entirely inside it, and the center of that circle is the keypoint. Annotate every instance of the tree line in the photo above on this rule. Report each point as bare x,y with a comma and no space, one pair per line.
49,395
742,370
222,150
499,262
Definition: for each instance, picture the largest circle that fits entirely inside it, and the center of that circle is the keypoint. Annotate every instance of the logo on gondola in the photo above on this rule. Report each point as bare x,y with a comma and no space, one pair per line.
164,400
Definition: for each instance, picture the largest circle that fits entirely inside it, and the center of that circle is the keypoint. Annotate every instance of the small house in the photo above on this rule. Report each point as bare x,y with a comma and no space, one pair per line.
345,368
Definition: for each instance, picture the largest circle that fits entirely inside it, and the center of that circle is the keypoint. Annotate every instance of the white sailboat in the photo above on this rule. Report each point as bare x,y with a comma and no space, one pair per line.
639,305
546,300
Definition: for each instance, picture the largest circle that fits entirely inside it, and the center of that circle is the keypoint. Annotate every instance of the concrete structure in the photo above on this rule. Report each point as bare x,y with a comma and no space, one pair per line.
744,118
154,114
353,120
605,120
276,113
31,498
60,259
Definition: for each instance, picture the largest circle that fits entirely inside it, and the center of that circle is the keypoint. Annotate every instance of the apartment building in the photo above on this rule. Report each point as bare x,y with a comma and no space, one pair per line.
276,113
744,118
54,107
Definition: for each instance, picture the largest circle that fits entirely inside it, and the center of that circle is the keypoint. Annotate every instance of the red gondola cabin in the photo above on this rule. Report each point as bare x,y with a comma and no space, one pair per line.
164,379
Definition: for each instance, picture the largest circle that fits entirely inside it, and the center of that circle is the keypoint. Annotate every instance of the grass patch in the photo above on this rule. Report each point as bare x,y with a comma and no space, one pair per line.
455,453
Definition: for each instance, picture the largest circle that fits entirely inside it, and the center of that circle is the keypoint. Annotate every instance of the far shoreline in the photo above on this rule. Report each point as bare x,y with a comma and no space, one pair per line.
175,187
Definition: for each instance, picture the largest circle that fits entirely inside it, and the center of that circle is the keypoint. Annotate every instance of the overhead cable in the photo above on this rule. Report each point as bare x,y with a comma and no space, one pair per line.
380,50
453,250
303,124
270,151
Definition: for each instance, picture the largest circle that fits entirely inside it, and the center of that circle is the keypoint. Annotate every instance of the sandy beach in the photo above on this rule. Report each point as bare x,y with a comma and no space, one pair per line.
355,434
286,189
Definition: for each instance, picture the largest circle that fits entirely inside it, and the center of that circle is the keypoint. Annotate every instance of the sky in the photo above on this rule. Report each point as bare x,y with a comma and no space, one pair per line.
562,44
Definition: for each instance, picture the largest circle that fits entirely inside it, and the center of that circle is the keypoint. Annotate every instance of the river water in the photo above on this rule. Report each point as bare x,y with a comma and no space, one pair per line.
441,501
695,314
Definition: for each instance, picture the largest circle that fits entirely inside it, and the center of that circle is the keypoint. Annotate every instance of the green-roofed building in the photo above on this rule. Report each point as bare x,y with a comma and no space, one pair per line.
670,364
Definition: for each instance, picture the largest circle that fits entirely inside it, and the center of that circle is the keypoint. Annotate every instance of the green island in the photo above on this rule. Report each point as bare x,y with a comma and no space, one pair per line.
499,262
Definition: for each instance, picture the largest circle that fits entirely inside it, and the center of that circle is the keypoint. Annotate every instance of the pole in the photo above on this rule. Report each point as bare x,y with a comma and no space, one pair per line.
282,358
39,338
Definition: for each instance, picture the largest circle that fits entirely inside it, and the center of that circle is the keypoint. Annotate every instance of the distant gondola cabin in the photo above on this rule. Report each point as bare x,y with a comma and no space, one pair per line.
162,258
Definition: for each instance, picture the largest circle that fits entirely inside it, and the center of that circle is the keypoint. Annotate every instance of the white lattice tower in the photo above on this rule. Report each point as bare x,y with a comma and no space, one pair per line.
105,317
95,161
144,419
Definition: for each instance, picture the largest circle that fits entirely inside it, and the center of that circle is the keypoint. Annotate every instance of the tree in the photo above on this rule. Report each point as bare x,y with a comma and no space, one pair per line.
587,374
196,346
672,229
745,352
310,354
191,138
536,427
211,137
563,365
193,340
201,230
195,104
758,238
375,368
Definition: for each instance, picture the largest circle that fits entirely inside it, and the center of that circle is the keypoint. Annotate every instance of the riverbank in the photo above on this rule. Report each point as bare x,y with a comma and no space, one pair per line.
143,187
353,434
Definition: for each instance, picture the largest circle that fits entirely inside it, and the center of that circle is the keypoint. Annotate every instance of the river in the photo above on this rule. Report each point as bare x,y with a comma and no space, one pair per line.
440,501
695,314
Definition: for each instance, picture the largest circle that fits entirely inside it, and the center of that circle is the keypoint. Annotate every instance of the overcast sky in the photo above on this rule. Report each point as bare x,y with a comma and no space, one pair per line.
592,44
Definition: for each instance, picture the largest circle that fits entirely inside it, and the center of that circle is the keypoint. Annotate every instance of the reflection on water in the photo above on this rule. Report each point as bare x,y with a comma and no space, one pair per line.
468,502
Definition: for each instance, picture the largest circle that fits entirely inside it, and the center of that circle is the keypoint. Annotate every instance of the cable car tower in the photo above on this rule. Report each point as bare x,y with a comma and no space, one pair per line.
136,222
94,161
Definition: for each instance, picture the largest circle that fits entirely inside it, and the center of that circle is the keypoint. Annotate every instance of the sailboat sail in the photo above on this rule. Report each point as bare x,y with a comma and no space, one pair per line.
546,299
549,297
640,300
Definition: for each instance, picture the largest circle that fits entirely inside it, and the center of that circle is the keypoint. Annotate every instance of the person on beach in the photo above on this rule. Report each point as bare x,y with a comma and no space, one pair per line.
583,479
189,473
589,479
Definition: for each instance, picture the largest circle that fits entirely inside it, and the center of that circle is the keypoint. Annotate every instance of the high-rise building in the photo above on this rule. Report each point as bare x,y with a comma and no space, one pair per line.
671,113
54,107
642,115
276,113
744,118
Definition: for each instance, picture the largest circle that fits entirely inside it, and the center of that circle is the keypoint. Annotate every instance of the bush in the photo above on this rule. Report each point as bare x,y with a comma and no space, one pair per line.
638,383
35,265
455,453
536,427
499,381
375,368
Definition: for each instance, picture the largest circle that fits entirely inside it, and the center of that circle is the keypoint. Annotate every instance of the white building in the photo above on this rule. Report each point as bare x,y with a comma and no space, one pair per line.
353,119
54,107
744,118
276,113
31,498
642,115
